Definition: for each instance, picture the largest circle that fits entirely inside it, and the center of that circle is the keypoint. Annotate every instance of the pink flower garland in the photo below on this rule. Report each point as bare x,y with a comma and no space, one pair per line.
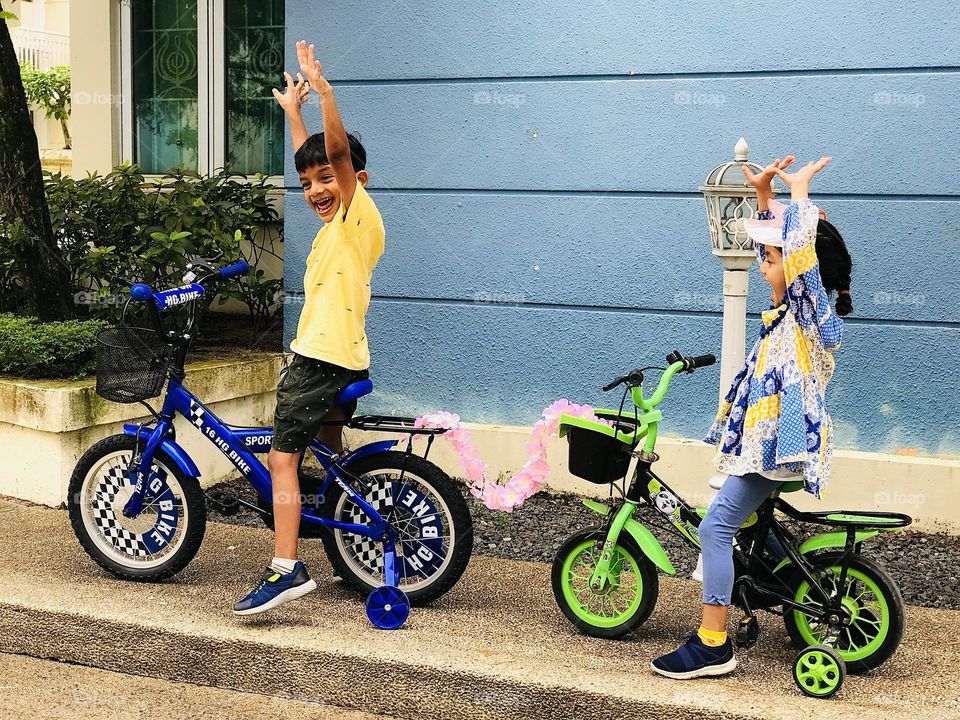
526,482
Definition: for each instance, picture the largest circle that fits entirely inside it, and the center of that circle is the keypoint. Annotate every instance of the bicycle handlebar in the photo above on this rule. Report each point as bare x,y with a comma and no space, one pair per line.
164,299
231,271
678,363
632,378
691,363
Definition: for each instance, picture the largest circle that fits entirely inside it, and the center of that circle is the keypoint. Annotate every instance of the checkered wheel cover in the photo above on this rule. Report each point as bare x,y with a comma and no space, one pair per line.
103,513
368,552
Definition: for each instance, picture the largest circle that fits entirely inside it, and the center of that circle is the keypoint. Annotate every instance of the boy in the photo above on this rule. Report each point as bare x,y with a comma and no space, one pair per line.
330,350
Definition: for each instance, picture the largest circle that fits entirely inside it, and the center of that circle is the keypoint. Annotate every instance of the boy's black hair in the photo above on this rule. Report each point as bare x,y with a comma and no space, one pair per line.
835,265
313,152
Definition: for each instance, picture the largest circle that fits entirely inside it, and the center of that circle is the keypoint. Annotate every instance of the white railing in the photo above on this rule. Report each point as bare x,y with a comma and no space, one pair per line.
41,49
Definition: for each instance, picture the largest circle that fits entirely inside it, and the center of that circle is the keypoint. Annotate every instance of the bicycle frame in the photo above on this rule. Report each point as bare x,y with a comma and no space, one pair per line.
239,445
647,488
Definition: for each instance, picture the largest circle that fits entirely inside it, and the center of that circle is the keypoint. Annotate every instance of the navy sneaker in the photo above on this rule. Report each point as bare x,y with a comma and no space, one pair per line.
694,659
274,589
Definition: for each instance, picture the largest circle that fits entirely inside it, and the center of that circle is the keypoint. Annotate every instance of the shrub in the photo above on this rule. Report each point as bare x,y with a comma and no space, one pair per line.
32,349
121,228
50,89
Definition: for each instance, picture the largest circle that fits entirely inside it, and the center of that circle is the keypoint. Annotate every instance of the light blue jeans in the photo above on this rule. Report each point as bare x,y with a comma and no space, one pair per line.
737,499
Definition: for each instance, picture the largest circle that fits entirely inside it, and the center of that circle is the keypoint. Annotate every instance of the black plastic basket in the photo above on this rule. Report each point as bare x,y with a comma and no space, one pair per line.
131,363
597,457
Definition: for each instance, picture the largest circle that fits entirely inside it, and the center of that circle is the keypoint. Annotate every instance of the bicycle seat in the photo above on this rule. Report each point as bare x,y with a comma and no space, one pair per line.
716,482
353,391
791,486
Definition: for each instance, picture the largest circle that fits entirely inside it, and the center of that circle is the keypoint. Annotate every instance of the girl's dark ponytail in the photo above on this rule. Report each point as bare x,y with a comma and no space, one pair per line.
835,265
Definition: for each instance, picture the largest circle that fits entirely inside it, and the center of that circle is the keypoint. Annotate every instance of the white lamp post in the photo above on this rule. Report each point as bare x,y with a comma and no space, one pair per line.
730,201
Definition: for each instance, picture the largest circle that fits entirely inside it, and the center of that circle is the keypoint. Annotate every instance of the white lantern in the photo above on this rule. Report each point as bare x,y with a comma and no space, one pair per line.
730,201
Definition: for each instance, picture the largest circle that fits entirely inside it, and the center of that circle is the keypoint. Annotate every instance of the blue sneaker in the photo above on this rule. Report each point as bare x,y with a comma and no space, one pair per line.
275,589
694,659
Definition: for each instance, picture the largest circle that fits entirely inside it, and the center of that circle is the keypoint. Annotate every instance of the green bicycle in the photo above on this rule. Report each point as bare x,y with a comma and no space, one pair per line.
841,609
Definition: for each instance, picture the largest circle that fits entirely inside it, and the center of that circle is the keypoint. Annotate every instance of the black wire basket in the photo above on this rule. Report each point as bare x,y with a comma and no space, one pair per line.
597,457
131,363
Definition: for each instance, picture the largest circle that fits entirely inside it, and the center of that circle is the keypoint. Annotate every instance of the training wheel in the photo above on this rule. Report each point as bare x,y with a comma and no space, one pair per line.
819,671
387,607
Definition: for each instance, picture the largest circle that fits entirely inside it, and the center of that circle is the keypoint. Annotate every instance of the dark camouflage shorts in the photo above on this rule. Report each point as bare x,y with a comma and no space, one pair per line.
305,395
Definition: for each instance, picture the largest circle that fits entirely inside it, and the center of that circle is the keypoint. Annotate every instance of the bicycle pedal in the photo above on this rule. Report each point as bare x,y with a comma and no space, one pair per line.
224,503
748,632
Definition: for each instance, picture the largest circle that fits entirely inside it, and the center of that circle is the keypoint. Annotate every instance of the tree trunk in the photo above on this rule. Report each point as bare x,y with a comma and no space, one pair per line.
67,140
45,276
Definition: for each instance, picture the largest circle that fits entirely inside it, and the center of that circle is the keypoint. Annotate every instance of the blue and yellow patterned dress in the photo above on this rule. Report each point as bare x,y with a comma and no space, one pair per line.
774,421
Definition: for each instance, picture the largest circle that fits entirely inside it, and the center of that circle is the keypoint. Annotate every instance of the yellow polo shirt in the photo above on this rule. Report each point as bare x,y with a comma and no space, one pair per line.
336,286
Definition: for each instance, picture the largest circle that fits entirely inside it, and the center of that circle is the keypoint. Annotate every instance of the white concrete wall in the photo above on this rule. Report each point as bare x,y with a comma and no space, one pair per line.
928,489
45,426
95,113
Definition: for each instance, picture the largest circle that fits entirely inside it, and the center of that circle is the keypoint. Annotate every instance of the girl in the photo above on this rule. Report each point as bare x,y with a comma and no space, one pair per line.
773,424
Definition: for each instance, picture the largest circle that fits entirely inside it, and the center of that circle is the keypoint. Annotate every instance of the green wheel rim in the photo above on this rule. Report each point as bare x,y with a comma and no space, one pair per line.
611,606
818,673
869,611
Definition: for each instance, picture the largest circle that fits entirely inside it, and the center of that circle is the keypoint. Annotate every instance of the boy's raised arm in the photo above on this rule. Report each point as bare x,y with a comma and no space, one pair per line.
335,139
295,95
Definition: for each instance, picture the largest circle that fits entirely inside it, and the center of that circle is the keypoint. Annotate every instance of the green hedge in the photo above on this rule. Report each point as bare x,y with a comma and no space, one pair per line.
125,227
32,349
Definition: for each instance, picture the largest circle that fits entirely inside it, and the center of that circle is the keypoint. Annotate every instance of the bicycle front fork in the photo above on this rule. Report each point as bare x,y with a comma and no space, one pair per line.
147,483
601,574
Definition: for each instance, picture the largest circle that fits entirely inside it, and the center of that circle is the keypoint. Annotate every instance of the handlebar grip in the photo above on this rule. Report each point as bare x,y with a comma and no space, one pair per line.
611,386
141,292
231,271
702,361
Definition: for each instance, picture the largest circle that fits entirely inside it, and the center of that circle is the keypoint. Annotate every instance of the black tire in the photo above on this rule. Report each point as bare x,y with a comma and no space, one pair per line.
89,514
887,640
649,589
358,561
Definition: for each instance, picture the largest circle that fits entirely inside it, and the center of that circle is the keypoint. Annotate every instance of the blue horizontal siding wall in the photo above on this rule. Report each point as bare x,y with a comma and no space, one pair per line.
536,166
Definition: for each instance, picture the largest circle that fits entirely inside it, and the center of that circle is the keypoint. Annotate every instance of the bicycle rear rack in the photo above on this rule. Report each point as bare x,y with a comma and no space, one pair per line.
847,518
386,423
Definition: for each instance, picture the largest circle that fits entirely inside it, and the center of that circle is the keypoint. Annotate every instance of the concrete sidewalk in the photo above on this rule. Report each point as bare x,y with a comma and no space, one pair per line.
495,647
48,690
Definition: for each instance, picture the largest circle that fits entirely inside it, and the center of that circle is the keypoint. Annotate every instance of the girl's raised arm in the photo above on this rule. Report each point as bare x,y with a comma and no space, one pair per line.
806,295
805,292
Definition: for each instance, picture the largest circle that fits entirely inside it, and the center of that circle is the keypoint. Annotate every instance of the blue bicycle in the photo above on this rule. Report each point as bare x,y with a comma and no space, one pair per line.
393,524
